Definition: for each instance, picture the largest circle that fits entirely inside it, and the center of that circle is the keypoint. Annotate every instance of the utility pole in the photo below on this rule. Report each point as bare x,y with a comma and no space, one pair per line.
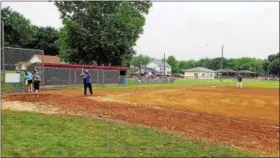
141,68
222,62
164,64
2,45
1,73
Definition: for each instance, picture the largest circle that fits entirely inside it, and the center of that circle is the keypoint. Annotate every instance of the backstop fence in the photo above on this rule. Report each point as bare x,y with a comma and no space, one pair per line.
56,77
15,61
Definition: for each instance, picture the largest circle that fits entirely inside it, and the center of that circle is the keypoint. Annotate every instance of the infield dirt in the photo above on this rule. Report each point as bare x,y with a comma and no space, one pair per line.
246,118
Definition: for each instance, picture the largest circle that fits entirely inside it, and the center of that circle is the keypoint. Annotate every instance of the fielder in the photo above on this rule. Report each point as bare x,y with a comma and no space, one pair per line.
87,82
239,81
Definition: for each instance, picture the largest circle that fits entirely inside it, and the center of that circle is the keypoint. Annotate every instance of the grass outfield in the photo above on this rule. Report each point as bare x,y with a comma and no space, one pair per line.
179,82
190,82
30,134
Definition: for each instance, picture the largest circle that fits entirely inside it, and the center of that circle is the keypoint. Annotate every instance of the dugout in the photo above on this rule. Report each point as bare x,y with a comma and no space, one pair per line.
246,73
227,72
68,74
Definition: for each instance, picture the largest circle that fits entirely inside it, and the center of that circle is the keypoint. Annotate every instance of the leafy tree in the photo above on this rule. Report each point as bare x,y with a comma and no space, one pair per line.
206,62
231,64
139,60
274,67
171,60
100,31
216,63
186,65
265,66
182,66
46,38
272,57
18,30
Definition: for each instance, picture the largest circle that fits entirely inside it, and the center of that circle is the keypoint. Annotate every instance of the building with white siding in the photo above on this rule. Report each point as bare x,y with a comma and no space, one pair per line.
199,73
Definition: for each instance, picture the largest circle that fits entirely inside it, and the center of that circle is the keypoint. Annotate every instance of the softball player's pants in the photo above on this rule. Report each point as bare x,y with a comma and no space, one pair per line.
89,86
239,84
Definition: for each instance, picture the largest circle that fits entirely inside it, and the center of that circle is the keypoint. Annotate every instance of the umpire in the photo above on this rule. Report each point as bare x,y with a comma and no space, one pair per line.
87,82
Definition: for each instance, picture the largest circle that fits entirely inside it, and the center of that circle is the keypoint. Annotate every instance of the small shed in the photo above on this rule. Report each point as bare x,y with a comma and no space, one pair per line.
199,73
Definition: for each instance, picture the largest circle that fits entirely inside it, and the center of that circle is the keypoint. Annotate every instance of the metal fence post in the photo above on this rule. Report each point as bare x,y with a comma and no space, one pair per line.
75,82
43,71
103,76
69,78
119,78
97,76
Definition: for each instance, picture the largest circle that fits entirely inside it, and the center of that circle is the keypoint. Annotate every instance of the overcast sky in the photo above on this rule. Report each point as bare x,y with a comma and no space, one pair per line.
184,29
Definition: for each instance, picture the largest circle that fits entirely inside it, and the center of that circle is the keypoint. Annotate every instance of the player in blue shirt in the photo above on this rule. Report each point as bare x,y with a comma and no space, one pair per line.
87,82
28,77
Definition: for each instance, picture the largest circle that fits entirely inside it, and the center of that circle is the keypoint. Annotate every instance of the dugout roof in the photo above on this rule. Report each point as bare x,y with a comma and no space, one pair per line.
199,69
57,65
227,71
246,72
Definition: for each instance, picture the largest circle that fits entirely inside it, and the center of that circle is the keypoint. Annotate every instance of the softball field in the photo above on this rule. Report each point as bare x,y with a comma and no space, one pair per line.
245,118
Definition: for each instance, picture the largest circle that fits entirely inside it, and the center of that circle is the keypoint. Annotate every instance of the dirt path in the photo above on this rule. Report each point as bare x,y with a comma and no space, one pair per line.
232,131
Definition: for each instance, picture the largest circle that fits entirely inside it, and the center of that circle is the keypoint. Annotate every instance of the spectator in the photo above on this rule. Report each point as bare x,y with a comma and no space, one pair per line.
36,82
28,77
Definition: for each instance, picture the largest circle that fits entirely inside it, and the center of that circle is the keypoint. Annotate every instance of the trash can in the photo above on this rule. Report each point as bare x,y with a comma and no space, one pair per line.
125,80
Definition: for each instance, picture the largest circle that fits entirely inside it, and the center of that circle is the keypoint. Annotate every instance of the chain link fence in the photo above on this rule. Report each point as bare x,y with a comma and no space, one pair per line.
56,78
16,61
19,60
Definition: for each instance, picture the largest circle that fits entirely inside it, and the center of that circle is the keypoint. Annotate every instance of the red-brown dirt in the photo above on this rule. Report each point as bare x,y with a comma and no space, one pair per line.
246,118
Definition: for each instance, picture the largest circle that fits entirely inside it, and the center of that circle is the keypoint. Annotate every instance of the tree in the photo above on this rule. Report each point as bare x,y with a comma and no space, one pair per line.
171,60
139,60
100,31
206,62
274,67
273,56
186,65
46,38
216,63
18,30
265,66
232,64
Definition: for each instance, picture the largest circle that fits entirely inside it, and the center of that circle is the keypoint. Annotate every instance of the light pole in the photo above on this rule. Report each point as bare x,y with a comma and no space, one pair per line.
164,65
222,62
2,44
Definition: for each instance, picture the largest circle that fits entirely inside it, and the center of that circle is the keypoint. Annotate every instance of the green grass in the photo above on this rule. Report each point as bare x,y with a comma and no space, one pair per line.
191,82
30,134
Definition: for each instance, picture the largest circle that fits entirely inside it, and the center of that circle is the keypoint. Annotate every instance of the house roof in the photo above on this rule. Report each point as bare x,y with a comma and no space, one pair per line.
227,70
199,69
246,72
160,63
90,67
137,70
26,64
48,58
134,70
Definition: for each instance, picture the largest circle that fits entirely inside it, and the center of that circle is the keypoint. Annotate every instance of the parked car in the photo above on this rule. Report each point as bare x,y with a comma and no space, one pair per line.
178,75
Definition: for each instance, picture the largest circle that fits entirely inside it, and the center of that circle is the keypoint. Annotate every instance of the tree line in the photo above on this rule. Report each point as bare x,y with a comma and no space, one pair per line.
20,32
98,32
104,33
270,65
